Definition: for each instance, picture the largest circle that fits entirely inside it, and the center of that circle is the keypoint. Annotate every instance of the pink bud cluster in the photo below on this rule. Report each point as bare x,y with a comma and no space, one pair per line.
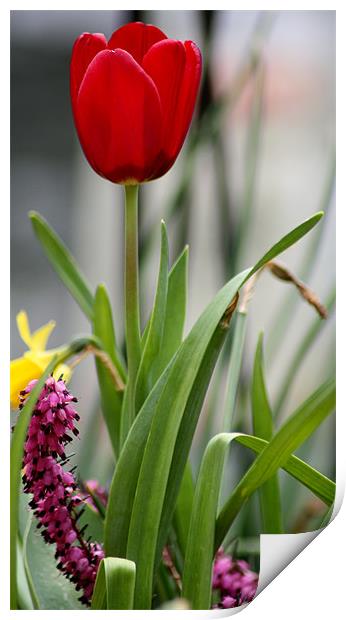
233,580
55,498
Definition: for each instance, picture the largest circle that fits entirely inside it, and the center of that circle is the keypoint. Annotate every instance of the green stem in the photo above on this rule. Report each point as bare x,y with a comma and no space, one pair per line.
133,341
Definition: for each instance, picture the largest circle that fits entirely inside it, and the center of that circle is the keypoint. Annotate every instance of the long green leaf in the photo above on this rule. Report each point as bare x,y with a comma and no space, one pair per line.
198,564
186,432
115,583
63,263
16,458
126,473
146,515
149,368
234,368
33,593
317,483
290,436
290,239
183,509
262,420
23,595
123,486
175,309
111,399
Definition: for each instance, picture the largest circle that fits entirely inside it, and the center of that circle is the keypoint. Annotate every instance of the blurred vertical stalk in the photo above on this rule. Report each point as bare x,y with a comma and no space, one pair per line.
288,305
303,347
236,358
251,161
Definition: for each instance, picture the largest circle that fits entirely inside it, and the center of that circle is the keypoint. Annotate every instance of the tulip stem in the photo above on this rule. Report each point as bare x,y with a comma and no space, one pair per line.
133,341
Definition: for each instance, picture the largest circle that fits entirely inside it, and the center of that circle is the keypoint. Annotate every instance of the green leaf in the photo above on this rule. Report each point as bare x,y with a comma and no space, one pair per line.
149,369
290,239
291,435
111,399
16,458
175,309
183,508
23,595
33,594
115,583
63,263
199,556
186,432
52,589
234,368
147,515
123,486
262,420
317,483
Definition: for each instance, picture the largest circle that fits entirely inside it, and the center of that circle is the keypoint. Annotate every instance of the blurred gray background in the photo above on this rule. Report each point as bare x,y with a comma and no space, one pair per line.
295,154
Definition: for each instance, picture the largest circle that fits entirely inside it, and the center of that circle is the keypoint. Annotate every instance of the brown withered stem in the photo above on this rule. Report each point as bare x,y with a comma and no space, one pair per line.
168,561
282,273
107,363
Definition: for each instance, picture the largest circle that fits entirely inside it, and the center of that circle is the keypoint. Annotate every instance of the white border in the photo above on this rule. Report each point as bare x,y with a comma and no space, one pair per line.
313,584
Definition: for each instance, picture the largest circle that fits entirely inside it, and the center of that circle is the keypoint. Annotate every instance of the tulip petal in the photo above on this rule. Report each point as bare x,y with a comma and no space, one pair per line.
175,67
84,50
136,38
119,118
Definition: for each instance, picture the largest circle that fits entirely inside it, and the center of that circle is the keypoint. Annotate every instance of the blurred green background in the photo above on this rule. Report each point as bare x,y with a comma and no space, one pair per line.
259,159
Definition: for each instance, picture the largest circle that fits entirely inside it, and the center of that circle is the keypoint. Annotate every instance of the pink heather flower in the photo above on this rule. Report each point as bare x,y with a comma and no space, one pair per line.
93,487
228,602
54,490
233,581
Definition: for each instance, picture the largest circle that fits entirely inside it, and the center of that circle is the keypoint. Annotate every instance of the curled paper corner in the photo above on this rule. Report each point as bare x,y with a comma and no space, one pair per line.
277,551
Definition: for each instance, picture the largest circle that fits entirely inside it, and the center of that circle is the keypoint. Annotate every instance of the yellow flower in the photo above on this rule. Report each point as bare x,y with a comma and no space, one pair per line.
35,360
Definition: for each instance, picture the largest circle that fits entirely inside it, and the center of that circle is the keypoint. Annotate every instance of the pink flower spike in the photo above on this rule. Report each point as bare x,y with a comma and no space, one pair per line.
53,490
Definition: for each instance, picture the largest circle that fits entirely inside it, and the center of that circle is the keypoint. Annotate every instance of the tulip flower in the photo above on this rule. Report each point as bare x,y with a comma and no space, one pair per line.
133,98
34,361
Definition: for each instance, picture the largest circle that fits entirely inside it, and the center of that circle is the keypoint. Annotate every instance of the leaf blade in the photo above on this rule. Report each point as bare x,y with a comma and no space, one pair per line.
262,421
111,399
148,368
63,263
114,586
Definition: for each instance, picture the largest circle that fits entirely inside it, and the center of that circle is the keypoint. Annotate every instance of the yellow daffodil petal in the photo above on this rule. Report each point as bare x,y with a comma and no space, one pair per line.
23,327
38,340
40,358
22,370
40,336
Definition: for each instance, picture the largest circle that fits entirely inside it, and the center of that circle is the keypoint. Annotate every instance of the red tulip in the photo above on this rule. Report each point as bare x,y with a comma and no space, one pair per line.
133,100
